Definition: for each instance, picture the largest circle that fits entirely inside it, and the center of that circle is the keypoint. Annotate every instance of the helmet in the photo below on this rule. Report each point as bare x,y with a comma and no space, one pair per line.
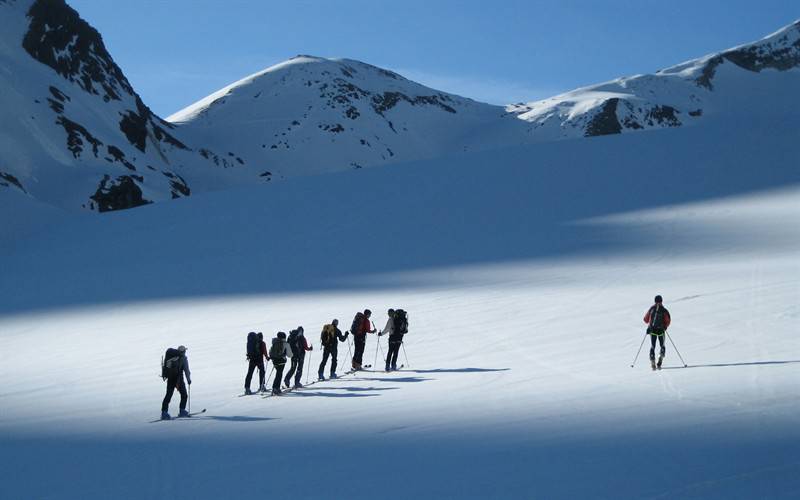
658,299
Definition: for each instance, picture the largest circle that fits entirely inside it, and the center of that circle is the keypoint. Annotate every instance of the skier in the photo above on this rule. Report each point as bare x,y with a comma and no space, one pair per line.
330,338
658,320
299,346
256,353
360,328
396,327
278,353
175,365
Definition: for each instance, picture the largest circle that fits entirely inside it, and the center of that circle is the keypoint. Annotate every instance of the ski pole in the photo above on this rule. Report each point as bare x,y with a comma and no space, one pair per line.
349,351
676,350
308,368
404,353
270,375
190,398
376,353
640,350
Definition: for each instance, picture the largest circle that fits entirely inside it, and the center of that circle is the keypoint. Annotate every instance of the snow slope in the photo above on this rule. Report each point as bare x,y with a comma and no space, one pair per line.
676,96
526,272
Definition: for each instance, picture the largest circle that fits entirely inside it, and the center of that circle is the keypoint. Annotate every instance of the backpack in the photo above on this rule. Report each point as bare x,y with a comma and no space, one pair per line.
657,319
358,324
293,341
328,335
400,322
276,349
171,363
253,346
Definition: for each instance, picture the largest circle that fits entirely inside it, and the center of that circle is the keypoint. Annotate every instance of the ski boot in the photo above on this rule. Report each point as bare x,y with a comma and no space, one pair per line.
387,370
262,388
660,359
165,416
276,392
333,375
298,385
321,378
183,413
247,391
653,364
286,383
394,368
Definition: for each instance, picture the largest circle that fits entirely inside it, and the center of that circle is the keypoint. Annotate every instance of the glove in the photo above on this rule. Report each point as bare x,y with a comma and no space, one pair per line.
189,381
380,333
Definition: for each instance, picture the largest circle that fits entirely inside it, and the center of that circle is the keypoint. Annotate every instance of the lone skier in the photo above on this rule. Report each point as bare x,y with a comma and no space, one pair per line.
360,328
396,327
299,346
278,353
175,365
330,338
256,353
658,320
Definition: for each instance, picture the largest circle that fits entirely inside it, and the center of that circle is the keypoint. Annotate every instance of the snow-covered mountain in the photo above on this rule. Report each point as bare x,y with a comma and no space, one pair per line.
676,96
311,115
74,132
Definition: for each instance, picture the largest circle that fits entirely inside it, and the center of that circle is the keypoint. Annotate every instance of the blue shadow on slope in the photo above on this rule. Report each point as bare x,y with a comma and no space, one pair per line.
720,365
513,205
458,370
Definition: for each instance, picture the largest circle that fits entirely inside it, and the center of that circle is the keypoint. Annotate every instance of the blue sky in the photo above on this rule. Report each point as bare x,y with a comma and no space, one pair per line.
178,51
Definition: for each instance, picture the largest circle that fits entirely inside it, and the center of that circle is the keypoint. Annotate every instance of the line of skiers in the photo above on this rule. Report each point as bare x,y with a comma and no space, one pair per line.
290,349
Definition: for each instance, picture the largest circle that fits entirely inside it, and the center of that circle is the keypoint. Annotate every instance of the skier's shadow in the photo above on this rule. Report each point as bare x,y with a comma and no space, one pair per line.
722,365
236,418
355,389
458,370
305,394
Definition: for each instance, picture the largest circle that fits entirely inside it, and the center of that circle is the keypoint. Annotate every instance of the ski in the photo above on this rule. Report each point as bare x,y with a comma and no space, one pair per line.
195,413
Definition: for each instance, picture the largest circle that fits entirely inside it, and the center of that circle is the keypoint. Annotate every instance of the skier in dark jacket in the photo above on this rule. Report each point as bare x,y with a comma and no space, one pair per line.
176,364
330,338
658,320
299,346
257,361
278,353
393,330
360,328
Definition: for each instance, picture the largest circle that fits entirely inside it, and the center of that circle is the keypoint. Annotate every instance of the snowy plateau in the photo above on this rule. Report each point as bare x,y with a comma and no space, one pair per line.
526,241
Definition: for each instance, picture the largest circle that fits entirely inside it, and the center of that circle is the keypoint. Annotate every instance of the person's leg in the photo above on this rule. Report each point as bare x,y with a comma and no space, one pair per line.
395,352
182,389
652,347
170,389
325,353
299,374
249,377
261,374
292,368
333,361
276,384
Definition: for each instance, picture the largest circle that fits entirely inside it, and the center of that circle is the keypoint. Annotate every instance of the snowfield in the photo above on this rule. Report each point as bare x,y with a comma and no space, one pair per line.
526,273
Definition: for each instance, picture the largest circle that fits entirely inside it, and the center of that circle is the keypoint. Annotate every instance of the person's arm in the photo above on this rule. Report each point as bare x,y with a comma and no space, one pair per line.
186,370
306,345
342,337
647,316
369,327
667,319
264,351
389,328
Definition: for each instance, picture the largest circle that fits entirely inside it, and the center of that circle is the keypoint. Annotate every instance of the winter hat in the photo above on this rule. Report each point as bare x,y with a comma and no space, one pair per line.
182,348
335,322
658,299
281,335
367,312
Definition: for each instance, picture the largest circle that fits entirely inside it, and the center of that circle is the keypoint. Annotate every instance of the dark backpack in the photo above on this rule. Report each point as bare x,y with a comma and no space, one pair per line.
293,341
358,324
657,319
400,322
276,349
328,335
253,346
171,363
